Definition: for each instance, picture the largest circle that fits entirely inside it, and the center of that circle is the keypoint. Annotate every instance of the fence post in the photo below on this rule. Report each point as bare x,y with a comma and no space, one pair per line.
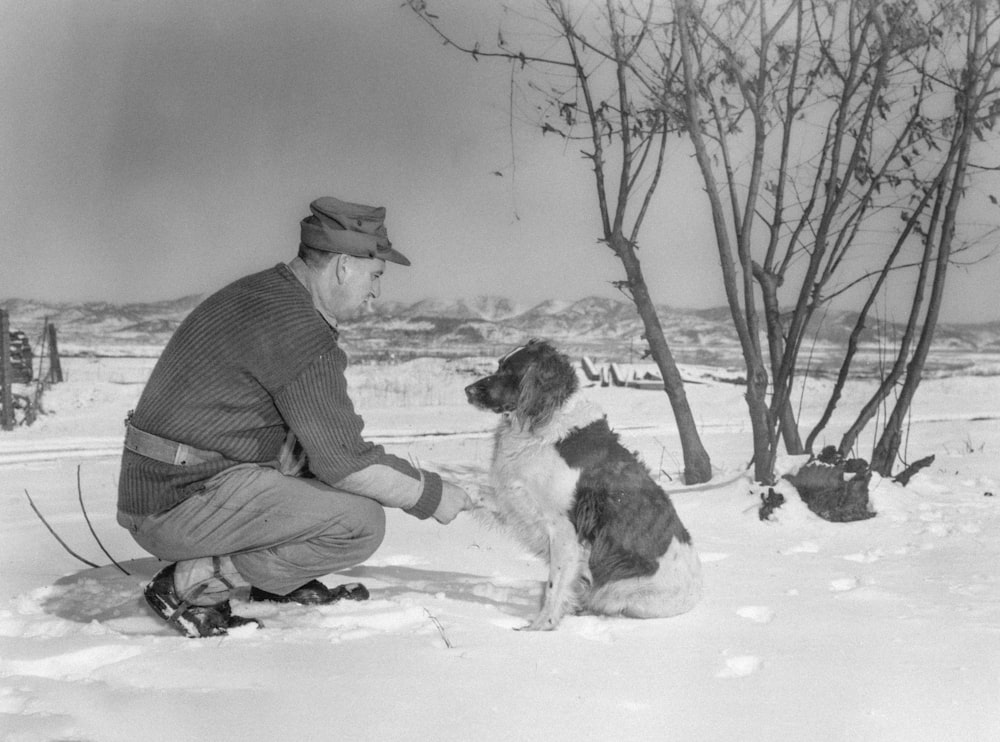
55,367
6,375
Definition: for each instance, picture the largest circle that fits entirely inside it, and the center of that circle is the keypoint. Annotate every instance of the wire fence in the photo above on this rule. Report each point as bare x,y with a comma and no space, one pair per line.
17,367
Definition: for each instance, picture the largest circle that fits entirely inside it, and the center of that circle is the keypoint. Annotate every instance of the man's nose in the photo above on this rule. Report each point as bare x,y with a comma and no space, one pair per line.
376,288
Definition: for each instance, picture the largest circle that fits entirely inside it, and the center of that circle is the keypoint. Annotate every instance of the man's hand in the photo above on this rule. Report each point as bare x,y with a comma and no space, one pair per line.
453,501
291,458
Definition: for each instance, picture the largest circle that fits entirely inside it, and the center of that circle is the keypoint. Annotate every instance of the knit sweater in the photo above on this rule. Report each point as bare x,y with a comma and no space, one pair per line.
247,365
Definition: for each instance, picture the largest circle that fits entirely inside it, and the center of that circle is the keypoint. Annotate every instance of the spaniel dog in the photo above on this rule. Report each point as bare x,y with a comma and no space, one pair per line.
566,487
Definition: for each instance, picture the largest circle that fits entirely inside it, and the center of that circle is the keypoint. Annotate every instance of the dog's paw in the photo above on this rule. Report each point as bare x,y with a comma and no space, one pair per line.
541,623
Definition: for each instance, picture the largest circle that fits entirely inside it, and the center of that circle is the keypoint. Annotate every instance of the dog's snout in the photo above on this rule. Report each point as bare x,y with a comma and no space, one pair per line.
473,391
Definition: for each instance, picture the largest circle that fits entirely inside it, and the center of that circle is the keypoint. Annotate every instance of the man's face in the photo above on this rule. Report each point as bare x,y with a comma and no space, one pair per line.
347,284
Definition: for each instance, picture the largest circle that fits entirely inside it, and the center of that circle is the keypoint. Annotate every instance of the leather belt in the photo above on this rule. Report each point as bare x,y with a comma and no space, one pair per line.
165,450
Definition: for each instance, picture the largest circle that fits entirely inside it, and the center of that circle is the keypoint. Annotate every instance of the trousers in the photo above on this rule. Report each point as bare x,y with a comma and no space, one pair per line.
279,531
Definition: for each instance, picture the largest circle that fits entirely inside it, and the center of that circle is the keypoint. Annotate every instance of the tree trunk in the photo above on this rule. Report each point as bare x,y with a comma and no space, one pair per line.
976,83
697,464
756,396
781,407
764,441
889,443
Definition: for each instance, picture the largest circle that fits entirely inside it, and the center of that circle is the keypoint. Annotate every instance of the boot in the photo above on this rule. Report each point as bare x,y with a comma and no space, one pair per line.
314,592
193,621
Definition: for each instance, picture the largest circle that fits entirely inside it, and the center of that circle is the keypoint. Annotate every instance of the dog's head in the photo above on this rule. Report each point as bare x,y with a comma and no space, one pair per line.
531,382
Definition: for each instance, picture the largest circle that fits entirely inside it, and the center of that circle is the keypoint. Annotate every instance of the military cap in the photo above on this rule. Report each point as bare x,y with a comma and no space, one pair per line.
352,229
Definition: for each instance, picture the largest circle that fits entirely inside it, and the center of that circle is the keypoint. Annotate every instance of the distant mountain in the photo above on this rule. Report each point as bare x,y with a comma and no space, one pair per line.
495,308
95,327
549,306
32,312
490,308
605,328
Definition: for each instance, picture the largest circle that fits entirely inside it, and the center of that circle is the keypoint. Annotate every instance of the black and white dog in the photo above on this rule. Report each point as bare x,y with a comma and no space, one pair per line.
566,487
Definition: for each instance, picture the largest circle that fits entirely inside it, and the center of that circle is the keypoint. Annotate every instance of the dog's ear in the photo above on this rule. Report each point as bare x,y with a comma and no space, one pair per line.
547,382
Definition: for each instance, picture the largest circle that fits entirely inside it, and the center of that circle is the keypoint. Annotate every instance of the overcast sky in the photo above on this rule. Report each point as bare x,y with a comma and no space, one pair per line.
151,150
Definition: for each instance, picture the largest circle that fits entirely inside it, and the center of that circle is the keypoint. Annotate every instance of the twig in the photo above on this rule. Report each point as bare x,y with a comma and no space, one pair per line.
904,476
440,628
79,492
56,535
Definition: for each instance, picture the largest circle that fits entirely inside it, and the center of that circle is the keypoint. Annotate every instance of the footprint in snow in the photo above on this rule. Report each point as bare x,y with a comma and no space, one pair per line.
939,529
756,613
866,557
712,556
843,584
740,666
806,547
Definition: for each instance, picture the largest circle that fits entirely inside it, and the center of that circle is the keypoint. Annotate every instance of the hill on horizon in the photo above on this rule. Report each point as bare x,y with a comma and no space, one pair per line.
605,328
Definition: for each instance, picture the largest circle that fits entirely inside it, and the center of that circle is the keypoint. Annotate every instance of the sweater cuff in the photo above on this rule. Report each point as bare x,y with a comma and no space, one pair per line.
429,499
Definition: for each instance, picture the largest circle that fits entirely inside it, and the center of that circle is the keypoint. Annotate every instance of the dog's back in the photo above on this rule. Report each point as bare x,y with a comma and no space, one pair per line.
642,561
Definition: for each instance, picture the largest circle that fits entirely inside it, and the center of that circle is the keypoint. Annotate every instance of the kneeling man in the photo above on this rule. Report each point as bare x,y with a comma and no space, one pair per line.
250,383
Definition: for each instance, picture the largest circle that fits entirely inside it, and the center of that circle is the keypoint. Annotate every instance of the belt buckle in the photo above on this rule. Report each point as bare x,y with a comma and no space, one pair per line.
181,454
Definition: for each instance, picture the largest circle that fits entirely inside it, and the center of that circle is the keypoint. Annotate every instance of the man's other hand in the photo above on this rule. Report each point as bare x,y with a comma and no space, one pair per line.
453,501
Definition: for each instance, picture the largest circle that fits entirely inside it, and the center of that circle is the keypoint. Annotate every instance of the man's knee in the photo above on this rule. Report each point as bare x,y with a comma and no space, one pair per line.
369,525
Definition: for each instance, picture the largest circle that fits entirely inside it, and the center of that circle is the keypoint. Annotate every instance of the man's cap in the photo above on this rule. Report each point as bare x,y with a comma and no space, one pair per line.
352,229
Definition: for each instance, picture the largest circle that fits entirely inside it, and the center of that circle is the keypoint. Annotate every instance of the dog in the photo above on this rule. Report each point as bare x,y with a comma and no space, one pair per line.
564,485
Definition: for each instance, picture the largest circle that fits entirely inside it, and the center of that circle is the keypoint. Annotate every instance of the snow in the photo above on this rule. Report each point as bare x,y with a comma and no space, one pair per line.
884,629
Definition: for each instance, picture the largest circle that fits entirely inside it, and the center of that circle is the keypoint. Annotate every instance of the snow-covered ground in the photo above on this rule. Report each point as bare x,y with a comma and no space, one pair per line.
886,629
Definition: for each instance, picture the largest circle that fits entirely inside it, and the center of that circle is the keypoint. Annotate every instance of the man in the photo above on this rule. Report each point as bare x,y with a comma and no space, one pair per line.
252,371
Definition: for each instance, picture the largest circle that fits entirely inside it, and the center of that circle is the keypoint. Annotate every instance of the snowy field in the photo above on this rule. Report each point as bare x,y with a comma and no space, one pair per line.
883,630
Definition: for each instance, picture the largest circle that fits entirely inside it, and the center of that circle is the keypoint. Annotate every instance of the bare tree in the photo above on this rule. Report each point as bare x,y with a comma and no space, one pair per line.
612,97
735,235
976,101
811,127
819,126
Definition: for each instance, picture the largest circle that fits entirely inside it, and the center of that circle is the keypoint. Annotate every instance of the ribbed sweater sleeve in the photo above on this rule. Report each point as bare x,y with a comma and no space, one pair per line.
317,408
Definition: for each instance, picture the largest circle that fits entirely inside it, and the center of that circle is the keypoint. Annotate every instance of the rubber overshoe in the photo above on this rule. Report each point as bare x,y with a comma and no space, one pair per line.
314,592
194,621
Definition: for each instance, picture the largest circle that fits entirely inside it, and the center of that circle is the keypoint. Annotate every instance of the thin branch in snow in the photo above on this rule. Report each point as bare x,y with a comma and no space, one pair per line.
440,628
56,535
79,492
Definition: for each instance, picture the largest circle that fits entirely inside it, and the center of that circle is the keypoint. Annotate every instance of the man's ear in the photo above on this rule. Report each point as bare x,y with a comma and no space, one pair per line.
342,267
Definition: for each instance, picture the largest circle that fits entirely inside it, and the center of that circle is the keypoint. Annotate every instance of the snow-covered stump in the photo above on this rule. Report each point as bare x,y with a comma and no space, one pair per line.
834,488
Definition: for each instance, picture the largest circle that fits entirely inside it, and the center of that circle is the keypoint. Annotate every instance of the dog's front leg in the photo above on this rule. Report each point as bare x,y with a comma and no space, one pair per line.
564,569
